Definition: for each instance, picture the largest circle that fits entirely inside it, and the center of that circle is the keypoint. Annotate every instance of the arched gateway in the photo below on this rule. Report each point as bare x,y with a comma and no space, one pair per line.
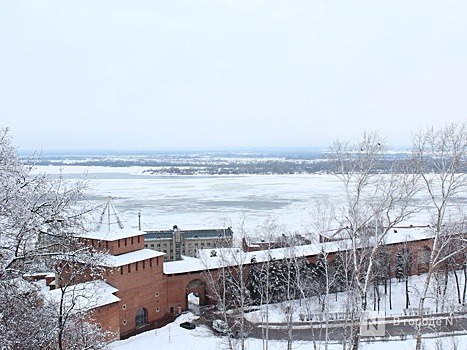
198,288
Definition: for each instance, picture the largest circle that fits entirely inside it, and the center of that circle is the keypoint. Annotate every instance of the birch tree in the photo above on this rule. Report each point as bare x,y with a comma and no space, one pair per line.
439,156
373,203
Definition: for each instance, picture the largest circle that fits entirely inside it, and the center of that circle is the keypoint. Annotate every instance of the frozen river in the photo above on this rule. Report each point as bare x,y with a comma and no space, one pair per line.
193,202
203,201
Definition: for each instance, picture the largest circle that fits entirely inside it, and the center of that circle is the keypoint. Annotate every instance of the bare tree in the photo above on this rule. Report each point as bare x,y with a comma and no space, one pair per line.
372,205
440,158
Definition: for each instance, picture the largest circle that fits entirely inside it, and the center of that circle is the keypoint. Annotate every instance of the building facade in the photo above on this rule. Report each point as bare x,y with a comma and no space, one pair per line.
176,242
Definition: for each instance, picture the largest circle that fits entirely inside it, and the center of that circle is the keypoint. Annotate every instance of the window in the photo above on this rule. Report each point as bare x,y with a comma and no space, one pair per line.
138,238
125,242
121,270
129,268
202,243
144,264
145,246
136,264
209,243
158,244
131,240
119,243
152,245
141,318
150,262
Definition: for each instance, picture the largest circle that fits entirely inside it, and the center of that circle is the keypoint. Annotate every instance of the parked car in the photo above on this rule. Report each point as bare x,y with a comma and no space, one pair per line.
220,326
188,325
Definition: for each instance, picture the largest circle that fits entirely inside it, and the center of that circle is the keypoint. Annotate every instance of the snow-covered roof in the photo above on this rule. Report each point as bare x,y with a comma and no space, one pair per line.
110,227
132,257
112,235
401,234
235,256
86,296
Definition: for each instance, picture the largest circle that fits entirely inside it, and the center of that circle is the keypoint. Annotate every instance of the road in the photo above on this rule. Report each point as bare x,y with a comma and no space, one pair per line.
389,326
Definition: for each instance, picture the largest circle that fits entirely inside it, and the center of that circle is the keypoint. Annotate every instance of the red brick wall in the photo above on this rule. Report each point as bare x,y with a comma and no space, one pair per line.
139,288
117,247
108,317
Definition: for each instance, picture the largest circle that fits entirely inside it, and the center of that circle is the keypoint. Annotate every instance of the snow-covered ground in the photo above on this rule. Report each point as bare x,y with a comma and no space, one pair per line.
173,337
337,303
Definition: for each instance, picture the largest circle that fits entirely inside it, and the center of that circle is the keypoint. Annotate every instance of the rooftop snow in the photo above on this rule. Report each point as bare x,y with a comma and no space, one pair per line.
86,296
112,235
132,257
235,256
110,227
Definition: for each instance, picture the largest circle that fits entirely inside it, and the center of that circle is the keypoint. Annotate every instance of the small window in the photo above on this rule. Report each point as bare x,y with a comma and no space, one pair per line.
145,246
129,268
150,262
158,244
131,240
152,245
119,243
136,264
144,264
141,318
121,270
125,242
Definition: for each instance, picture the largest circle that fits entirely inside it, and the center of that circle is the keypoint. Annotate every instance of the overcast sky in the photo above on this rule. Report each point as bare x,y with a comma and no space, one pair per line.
228,74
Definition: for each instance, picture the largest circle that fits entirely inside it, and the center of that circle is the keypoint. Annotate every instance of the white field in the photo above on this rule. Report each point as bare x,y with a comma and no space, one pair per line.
193,202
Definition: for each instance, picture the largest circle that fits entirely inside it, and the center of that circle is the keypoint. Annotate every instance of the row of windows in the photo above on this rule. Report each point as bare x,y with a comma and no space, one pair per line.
126,240
139,264
165,245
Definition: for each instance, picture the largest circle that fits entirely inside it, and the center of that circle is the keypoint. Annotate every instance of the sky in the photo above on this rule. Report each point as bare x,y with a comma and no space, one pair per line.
228,74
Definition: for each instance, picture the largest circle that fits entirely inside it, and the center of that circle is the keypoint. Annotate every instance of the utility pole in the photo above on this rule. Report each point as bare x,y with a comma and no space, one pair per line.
139,220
